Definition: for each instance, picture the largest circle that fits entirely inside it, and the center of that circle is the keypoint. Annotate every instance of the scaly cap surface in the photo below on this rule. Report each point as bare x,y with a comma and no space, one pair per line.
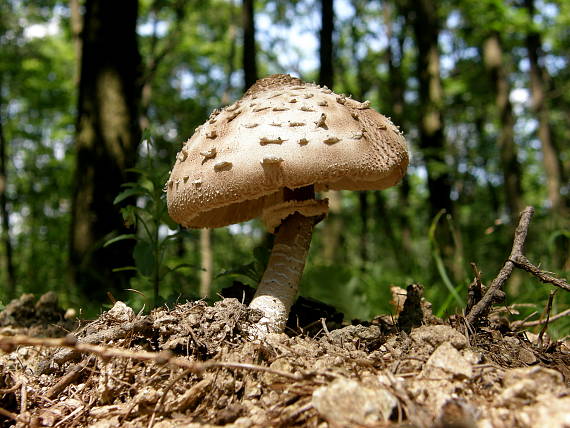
282,133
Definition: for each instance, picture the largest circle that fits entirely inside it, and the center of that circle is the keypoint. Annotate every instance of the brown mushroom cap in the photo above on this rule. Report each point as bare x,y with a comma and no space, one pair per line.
282,133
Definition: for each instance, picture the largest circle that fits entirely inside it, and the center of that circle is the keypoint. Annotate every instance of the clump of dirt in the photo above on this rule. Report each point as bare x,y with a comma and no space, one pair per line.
43,316
192,365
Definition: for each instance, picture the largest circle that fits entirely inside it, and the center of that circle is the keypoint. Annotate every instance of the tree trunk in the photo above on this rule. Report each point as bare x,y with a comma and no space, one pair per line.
249,48
425,23
332,229
108,135
363,244
6,239
493,58
326,72
76,28
396,103
538,79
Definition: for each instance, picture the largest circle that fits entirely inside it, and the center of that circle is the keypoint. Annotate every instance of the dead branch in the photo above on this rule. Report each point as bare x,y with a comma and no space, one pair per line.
547,310
525,324
8,414
495,288
138,325
70,377
8,343
522,262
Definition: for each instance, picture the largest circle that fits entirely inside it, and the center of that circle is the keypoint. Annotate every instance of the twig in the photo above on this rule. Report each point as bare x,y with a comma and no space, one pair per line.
24,397
522,262
8,414
71,376
524,323
475,289
548,310
7,343
494,291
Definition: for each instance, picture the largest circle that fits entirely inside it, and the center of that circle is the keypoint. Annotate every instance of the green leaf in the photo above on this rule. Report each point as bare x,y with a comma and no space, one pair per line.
177,267
144,257
249,271
125,268
120,238
133,191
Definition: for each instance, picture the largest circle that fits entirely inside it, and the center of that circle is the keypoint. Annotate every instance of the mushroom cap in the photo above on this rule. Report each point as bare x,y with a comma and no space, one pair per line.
282,133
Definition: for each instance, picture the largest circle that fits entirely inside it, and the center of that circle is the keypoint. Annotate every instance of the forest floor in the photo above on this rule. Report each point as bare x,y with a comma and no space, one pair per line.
193,365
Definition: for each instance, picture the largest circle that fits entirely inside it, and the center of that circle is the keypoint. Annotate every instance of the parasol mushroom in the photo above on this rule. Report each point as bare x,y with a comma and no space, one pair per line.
265,156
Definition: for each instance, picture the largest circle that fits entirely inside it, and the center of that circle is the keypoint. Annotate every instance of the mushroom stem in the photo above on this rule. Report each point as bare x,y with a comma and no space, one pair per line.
278,287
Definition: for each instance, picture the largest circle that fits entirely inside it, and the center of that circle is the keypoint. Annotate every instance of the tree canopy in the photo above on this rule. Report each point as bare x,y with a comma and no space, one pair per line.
480,90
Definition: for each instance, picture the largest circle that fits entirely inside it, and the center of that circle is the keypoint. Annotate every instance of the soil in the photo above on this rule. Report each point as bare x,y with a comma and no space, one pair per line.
193,365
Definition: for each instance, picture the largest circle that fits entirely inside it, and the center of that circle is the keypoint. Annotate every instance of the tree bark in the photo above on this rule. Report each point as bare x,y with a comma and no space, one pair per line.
423,15
249,48
493,58
396,104
539,87
4,213
107,139
332,229
326,53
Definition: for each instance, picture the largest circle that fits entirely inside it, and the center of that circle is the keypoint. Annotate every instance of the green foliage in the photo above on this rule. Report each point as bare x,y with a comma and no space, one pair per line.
149,218
191,52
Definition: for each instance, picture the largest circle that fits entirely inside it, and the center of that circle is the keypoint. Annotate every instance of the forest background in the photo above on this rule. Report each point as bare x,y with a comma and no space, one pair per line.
96,97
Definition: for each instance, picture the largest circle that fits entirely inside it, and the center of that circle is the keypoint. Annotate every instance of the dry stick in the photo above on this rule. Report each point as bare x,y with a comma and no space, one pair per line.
522,262
524,324
494,289
70,377
548,310
7,343
8,414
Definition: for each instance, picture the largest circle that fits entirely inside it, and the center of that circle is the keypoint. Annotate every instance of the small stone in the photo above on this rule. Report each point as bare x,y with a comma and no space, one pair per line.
446,362
120,312
435,335
346,402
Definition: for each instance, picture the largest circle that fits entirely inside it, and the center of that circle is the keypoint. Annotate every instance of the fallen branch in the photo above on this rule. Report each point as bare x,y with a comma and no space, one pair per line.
525,324
8,343
522,262
494,292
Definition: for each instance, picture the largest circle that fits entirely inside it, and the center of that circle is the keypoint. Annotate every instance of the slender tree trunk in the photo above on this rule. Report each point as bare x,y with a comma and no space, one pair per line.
249,48
493,58
4,213
425,23
108,136
396,103
364,229
538,79
230,65
76,28
326,72
332,230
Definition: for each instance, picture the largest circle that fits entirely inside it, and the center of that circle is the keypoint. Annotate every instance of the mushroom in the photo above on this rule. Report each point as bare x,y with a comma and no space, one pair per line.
273,172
